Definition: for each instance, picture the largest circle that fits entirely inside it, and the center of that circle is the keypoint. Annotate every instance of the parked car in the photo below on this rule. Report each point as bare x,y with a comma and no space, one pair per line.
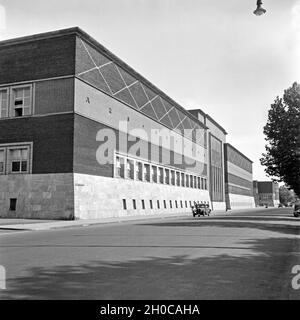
199,209
207,209
297,210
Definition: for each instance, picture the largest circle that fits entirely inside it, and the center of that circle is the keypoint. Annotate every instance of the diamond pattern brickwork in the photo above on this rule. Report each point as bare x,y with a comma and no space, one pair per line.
96,69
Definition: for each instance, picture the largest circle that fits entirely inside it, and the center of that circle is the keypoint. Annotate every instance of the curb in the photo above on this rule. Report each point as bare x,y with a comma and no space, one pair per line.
73,223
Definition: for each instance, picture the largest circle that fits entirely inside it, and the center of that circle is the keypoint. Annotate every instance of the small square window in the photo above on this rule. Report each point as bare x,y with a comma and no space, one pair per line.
15,166
13,204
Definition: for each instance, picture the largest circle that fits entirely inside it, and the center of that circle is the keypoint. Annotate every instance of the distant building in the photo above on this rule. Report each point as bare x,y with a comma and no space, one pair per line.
266,193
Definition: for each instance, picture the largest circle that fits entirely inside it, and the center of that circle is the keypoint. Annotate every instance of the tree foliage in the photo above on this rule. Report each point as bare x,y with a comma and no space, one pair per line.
286,196
282,131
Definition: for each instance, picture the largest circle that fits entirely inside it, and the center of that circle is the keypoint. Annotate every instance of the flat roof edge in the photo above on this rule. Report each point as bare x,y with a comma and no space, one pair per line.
210,119
41,36
239,152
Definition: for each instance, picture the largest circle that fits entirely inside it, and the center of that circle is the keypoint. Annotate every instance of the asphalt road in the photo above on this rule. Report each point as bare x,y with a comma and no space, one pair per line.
241,255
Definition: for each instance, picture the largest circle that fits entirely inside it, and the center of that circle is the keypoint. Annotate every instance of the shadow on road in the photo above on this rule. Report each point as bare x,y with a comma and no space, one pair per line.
224,276
232,222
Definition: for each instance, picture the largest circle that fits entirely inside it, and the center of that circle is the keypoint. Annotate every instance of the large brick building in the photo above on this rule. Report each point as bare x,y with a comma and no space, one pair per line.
83,135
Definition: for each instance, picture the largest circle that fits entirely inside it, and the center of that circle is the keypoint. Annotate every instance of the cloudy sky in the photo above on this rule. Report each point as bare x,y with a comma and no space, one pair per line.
212,54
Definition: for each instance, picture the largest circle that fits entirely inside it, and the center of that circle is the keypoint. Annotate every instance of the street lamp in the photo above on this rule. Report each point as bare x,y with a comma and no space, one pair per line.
259,10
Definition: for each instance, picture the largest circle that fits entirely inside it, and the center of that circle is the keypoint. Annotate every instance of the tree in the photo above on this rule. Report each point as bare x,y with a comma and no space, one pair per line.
282,131
286,196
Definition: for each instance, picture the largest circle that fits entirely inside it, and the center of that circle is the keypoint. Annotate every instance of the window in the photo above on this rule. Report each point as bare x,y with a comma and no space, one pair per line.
181,204
129,169
165,204
124,204
15,158
147,172
18,159
195,182
187,181
205,184
139,171
202,183
154,173
2,162
158,206
119,167
167,176
191,181
3,103
172,177
186,204
199,183
13,204
170,204
177,178
161,175
176,204
21,101
182,180
143,204
134,204
151,204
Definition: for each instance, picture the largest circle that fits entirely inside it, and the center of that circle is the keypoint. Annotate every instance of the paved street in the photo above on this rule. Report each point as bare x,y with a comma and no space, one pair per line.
240,255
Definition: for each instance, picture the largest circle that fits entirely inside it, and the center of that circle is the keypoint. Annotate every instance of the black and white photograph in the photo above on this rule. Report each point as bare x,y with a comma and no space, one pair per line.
149,151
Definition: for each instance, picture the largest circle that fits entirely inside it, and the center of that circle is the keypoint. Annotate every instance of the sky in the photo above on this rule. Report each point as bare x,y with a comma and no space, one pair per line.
210,54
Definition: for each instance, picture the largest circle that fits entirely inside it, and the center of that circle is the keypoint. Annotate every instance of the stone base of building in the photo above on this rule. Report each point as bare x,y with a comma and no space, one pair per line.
218,205
236,201
37,196
101,197
78,196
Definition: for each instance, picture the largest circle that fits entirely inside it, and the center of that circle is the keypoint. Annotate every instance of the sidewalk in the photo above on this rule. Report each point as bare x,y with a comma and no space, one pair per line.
38,225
